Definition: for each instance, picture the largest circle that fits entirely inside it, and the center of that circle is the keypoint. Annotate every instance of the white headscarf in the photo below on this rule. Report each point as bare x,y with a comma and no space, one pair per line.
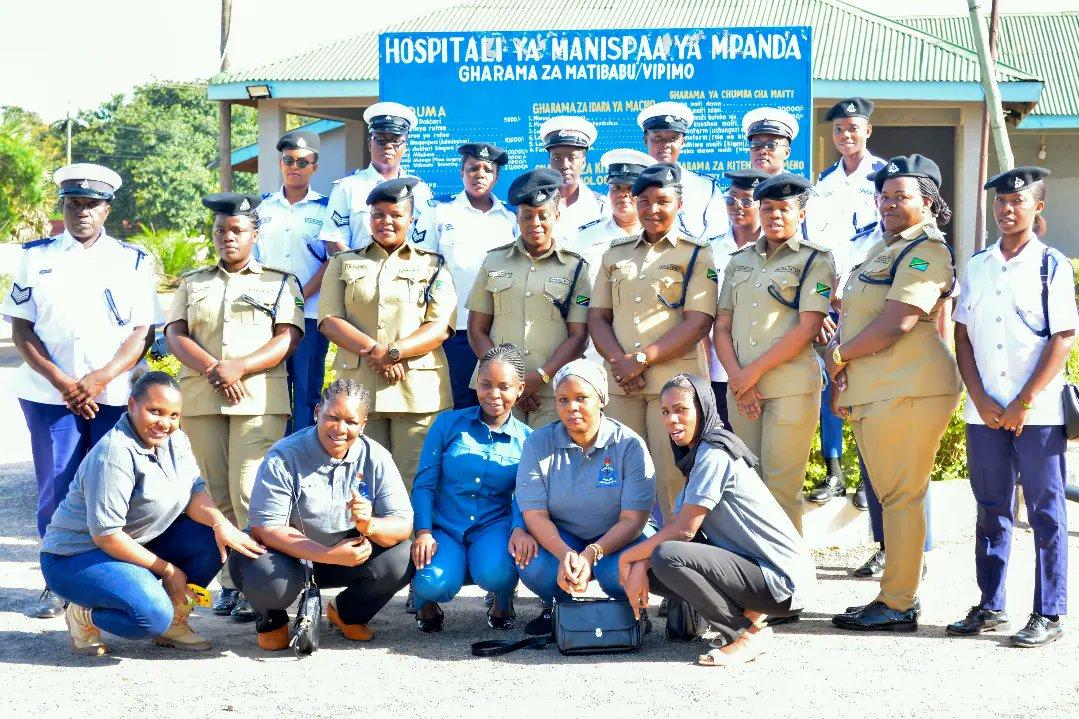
587,371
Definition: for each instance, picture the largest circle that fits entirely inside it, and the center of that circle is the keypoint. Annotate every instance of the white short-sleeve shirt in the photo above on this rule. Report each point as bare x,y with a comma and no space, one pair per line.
347,213
83,303
842,208
722,249
1001,306
289,238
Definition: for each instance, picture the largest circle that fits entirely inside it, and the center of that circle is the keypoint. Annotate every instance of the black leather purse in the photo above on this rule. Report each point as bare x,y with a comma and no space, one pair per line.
1069,396
684,623
597,626
308,622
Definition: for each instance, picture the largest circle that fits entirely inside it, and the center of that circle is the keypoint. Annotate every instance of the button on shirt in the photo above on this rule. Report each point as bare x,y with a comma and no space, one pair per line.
83,303
744,518
1001,306
300,486
703,213
124,486
467,473
464,235
584,490
590,242
289,238
348,215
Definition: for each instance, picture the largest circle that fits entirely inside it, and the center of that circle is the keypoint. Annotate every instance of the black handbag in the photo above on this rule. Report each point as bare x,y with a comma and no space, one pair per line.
597,626
1069,396
684,623
308,622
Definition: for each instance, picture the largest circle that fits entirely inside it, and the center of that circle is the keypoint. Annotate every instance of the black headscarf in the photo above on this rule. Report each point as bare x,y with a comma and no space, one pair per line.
710,430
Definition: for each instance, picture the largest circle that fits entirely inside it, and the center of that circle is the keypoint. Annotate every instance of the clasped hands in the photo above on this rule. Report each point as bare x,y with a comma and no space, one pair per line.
377,360
574,572
226,377
78,394
628,373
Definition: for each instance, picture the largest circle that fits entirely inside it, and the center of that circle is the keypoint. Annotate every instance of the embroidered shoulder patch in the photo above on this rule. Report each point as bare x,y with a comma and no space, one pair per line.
917,263
713,275
823,290
20,295
582,300
339,219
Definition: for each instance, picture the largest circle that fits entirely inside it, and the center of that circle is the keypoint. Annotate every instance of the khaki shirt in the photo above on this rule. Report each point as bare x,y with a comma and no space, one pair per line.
633,278
523,295
228,327
759,320
919,364
386,297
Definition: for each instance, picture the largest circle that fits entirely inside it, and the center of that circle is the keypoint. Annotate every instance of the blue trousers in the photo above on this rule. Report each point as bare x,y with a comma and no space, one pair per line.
719,389
541,574
127,600
876,513
483,560
996,457
831,427
462,363
306,371
59,439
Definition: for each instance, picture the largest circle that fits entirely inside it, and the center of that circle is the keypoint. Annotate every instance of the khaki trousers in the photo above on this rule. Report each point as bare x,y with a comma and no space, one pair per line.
781,438
229,450
402,433
641,413
540,417
899,439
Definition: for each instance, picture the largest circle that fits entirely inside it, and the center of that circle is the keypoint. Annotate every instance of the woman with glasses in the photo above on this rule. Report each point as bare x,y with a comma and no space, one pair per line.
776,294
770,132
653,302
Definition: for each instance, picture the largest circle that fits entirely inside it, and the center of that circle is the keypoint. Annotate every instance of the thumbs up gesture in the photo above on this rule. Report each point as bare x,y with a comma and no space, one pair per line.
360,512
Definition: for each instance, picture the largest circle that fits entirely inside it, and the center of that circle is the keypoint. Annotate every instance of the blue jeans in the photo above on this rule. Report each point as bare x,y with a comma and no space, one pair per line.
306,371
483,560
127,600
831,427
59,440
541,574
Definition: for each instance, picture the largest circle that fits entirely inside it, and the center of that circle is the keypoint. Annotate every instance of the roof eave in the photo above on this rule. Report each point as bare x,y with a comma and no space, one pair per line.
1024,91
287,90
1050,122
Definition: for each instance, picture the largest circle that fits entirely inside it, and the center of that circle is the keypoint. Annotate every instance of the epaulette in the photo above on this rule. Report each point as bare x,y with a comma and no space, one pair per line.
586,225
877,166
828,170
38,243
571,253
440,199
502,247
814,245
140,254
321,200
197,270
266,195
276,269
422,251
980,252
933,232
744,248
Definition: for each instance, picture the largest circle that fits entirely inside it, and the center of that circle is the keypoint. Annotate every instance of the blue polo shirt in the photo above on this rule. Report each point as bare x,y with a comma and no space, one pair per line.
585,490
467,472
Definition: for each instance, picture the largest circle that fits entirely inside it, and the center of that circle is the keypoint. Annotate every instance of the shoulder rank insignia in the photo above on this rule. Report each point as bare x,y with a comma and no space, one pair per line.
20,295
339,219
418,236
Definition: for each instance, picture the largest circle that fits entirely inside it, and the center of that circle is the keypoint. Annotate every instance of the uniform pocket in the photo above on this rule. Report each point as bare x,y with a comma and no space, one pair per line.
354,276
668,282
200,308
556,291
786,286
622,283
498,285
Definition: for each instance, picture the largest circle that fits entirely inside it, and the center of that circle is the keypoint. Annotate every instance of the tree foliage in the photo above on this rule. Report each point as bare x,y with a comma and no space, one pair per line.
24,195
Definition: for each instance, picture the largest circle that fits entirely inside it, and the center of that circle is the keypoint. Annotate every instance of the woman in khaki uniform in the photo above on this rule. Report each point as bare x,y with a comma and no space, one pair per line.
776,293
231,326
898,382
653,302
388,307
534,294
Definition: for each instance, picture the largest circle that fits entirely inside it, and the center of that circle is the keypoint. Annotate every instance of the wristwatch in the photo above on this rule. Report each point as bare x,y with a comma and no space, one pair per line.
837,357
393,354
641,358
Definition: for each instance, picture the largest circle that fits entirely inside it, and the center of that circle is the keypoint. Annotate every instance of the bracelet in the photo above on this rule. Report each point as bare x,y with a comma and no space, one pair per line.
370,527
1026,405
597,551
543,375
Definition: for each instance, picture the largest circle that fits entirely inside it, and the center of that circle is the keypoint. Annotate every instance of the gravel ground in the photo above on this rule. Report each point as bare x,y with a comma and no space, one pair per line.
811,670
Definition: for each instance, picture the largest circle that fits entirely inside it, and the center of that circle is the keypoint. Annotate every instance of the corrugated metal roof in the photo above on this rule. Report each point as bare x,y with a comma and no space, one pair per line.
849,43
1046,45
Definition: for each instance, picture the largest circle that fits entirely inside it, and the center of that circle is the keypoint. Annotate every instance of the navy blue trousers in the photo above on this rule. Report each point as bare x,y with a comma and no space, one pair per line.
306,371
876,513
831,427
59,439
996,457
719,389
462,363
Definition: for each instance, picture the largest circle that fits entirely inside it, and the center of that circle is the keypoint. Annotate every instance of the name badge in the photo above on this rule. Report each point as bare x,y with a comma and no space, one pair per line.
607,476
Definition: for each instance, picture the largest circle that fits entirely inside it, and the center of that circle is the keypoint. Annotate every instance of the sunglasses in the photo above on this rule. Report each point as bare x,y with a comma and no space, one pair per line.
770,145
392,143
745,202
301,163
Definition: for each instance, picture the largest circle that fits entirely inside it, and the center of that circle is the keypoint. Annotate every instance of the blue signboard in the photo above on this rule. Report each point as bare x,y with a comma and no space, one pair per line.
499,87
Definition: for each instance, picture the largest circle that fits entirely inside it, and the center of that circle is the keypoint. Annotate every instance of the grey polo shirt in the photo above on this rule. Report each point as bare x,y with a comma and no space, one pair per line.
584,490
124,486
744,518
300,486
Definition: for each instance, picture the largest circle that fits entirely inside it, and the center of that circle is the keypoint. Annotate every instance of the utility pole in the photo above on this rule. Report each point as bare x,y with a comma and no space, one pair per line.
68,123
224,107
992,110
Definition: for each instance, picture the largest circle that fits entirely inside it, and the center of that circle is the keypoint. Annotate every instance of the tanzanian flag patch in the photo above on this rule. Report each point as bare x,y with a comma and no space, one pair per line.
823,290
582,300
299,302
917,263
713,275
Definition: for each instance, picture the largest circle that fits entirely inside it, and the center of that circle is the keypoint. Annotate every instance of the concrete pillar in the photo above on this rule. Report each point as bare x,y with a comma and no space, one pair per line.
271,128
968,150
356,155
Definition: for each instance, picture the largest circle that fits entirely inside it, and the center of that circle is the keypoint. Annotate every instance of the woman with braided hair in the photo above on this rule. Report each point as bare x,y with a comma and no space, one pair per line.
468,529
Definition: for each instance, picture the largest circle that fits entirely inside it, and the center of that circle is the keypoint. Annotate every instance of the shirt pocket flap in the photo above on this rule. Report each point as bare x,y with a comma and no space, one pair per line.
352,271
413,274
556,289
740,276
496,282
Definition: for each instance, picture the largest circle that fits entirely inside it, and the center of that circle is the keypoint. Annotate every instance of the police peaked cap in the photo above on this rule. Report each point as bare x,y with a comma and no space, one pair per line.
298,140
1017,179
781,187
851,107
396,190
484,151
624,166
232,203
661,174
85,179
666,116
391,117
906,166
535,188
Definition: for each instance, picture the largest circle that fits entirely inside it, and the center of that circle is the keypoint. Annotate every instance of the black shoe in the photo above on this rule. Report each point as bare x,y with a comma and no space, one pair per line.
431,624
916,608
226,601
874,567
979,620
664,606
48,605
410,602
878,617
777,621
832,486
858,499
1038,632
541,625
502,624
243,612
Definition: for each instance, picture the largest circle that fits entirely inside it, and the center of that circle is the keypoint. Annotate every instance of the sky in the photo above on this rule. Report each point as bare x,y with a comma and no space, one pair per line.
71,54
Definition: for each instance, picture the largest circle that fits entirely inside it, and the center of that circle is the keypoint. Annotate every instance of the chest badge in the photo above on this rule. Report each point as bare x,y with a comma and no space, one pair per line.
607,476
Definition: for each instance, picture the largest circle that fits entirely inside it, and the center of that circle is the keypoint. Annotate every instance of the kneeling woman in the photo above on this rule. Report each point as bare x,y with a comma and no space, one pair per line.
585,486
332,497
463,497
731,551
135,528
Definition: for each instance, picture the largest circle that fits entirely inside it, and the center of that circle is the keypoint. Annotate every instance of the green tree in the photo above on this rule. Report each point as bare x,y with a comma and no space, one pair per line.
23,191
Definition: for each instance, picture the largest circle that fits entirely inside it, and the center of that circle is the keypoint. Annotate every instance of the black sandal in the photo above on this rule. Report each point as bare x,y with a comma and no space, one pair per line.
433,624
501,624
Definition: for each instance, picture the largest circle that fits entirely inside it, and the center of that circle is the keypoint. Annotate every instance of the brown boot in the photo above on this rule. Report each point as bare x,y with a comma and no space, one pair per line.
355,632
274,640
85,637
180,635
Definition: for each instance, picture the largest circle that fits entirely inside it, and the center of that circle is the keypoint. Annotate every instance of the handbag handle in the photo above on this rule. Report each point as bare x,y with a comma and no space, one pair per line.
496,647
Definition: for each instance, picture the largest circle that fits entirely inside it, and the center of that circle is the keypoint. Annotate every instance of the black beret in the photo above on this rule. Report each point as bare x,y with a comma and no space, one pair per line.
298,140
535,188
1017,179
781,187
484,151
851,107
913,166
661,174
746,179
232,203
396,190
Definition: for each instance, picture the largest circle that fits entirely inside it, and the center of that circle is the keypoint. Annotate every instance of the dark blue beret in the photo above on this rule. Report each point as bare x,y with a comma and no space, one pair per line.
535,187
396,190
484,151
746,179
1017,179
851,107
298,140
907,166
781,187
661,174
232,203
